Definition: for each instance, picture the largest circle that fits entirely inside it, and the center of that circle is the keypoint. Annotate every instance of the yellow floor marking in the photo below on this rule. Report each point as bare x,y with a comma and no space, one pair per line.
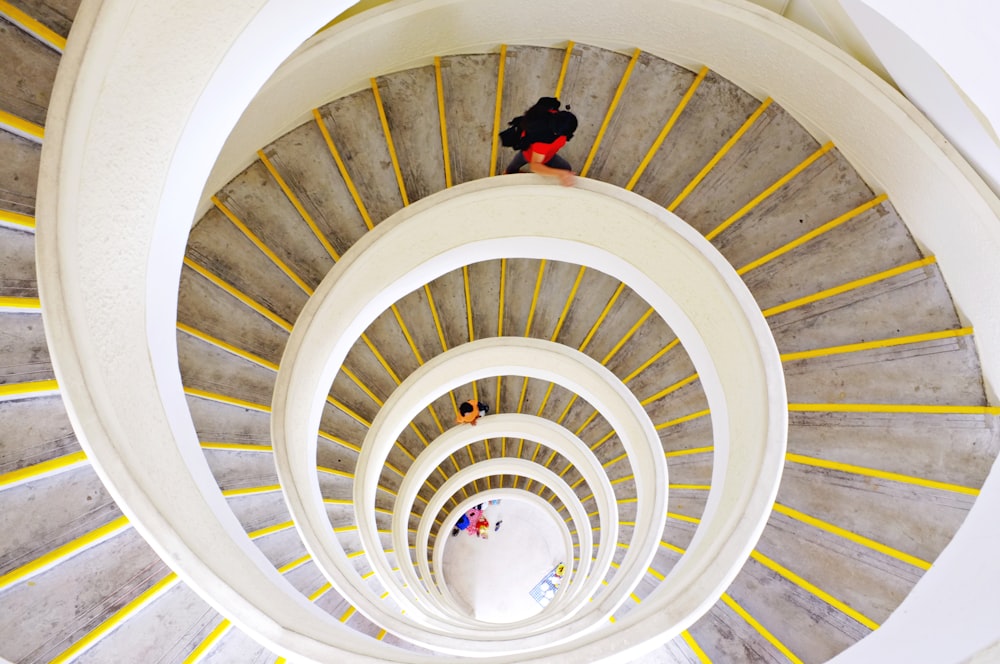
880,343
813,234
854,537
118,618
849,286
11,303
213,637
562,70
809,587
33,26
673,388
693,450
64,552
22,127
695,648
229,348
35,388
44,469
342,168
388,141
667,128
239,295
881,474
293,199
263,248
771,638
442,122
714,161
17,219
610,112
497,109
222,398
781,182
269,530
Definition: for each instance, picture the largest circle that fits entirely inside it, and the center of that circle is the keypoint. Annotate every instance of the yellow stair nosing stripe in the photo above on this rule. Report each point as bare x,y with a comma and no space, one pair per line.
251,491
16,304
33,26
297,204
667,128
852,536
43,469
813,234
794,578
681,420
21,127
17,220
778,184
393,157
562,70
763,631
720,154
881,474
342,169
877,344
849,286
63,552
270,530
119,617
695,648
442,121
222,398
263,248
612,107
239,295
28,390
229,348
497,110
210,640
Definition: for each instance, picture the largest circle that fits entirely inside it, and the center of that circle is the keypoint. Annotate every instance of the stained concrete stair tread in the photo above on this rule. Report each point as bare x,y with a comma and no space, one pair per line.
19,161
358,140
57,15
35,430
17,255
30,70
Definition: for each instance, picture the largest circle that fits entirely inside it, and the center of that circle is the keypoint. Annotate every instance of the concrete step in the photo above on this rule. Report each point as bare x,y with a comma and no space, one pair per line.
790,212
30,69
830,263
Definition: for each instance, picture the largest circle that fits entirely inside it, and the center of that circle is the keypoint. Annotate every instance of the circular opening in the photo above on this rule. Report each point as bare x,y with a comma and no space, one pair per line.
493,578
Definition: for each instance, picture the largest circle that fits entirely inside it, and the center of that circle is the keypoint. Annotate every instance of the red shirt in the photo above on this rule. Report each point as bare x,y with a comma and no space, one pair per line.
547,150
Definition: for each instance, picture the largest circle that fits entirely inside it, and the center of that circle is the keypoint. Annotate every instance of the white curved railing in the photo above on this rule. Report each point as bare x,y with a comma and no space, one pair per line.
122,174
532,358
528,427
674,269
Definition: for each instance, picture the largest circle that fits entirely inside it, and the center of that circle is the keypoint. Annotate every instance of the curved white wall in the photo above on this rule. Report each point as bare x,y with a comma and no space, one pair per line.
122,175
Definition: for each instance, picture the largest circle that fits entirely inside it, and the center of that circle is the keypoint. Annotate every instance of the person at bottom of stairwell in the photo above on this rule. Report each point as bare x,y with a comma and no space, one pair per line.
538,135
470,411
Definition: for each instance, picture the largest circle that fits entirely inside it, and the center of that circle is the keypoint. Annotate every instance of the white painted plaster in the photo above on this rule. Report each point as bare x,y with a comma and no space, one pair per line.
119,166
674,269
530,428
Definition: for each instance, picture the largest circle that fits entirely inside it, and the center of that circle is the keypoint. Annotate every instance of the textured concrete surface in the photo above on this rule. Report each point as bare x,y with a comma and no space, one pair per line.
30,69
955,449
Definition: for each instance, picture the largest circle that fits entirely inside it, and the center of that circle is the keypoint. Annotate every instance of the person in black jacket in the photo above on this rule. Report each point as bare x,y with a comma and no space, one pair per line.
538,135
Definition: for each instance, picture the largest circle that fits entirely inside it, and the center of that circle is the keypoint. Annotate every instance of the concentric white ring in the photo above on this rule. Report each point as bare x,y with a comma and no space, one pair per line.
673,268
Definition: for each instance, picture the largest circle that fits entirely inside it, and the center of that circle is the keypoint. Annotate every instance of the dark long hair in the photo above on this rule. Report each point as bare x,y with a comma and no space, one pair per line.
544,122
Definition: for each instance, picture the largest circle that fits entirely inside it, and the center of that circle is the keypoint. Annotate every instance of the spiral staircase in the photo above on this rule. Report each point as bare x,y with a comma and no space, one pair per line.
890,433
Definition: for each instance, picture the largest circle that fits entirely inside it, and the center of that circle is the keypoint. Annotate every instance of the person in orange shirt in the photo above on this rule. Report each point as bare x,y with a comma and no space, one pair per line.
470,411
